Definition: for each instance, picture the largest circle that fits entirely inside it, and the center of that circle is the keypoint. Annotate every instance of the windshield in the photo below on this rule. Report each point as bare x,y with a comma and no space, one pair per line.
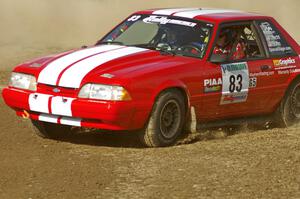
163,33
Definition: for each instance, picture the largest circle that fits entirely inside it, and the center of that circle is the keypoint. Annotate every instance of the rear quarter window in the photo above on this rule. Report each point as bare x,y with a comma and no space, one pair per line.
276,43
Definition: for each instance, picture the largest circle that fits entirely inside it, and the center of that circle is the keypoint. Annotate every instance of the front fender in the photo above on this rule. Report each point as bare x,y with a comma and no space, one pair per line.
168,85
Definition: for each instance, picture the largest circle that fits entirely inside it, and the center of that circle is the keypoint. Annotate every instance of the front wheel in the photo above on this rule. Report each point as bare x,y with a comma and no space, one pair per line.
50,130
166,121
288,112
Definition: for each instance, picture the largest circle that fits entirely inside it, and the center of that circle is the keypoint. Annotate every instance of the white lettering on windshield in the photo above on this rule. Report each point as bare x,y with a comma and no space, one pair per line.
165,20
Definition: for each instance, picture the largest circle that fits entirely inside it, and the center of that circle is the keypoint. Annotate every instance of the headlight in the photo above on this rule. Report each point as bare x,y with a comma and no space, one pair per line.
104,92
23,81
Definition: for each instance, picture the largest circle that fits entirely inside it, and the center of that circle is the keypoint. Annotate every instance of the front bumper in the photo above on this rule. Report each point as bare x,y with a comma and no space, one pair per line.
125,115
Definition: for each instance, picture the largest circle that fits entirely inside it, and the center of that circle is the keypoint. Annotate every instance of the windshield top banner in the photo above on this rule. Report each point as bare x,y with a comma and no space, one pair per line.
165,20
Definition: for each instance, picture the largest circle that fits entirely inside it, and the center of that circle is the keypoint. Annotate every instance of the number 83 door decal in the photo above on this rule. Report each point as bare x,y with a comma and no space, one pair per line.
235,83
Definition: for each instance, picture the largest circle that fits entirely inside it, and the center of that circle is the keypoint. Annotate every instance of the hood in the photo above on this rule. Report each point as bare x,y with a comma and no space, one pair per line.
71,68
42,61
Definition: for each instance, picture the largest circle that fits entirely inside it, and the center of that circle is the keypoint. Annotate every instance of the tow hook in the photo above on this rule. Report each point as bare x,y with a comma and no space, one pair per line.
25,114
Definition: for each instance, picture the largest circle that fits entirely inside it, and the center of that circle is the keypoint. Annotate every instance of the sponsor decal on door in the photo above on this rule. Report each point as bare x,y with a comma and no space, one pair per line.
236,83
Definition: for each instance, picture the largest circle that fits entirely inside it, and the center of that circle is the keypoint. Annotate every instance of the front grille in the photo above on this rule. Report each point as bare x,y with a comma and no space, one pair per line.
56,90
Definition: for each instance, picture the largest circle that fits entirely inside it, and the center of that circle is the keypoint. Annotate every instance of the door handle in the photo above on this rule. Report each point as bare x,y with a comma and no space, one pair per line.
265,67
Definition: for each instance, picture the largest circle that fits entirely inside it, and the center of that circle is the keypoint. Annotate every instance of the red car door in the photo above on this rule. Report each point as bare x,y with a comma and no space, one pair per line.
282,58
243,89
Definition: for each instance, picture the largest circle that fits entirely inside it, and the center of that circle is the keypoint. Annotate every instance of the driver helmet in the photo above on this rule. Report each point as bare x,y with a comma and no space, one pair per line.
170,36
229,36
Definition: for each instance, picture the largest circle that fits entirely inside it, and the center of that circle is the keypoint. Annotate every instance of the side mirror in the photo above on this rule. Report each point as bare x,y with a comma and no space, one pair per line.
217,59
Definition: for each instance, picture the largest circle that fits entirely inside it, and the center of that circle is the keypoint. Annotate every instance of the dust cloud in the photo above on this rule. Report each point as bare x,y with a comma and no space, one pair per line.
32,28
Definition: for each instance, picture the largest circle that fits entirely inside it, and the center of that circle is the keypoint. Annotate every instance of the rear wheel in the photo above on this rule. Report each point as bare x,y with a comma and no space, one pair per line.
288,112
166,121
50,130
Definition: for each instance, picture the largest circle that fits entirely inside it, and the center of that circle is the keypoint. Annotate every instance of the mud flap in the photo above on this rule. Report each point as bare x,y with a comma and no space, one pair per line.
191,124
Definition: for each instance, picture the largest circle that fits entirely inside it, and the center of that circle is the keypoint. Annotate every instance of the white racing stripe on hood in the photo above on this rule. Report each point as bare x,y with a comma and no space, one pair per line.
73,76
52,71
194,13
171,11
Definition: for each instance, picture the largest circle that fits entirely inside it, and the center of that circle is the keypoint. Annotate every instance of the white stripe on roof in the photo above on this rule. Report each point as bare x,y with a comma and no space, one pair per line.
172,10
194,13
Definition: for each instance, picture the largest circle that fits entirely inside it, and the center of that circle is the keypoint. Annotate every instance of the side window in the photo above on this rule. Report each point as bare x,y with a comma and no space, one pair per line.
237,42
253,47
276,44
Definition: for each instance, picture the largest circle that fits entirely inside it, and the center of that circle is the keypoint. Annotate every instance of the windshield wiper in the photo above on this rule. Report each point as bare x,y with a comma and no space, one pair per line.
150,47
166,52
110,42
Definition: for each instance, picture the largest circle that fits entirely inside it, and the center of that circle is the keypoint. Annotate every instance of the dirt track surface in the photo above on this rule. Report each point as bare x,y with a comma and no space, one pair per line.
248,164
259,164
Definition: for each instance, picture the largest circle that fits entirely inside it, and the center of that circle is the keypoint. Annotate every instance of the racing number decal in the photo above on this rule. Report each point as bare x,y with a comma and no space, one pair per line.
235,83
253,82
134,18
232,86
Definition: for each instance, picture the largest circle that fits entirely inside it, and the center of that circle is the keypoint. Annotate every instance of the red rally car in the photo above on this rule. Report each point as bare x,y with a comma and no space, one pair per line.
162,69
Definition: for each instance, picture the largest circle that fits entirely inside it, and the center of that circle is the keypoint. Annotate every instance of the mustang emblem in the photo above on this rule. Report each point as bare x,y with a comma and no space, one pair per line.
56,90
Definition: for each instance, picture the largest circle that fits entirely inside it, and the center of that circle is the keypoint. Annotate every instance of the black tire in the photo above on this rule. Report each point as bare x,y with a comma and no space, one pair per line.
50,130
166,120
288,112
